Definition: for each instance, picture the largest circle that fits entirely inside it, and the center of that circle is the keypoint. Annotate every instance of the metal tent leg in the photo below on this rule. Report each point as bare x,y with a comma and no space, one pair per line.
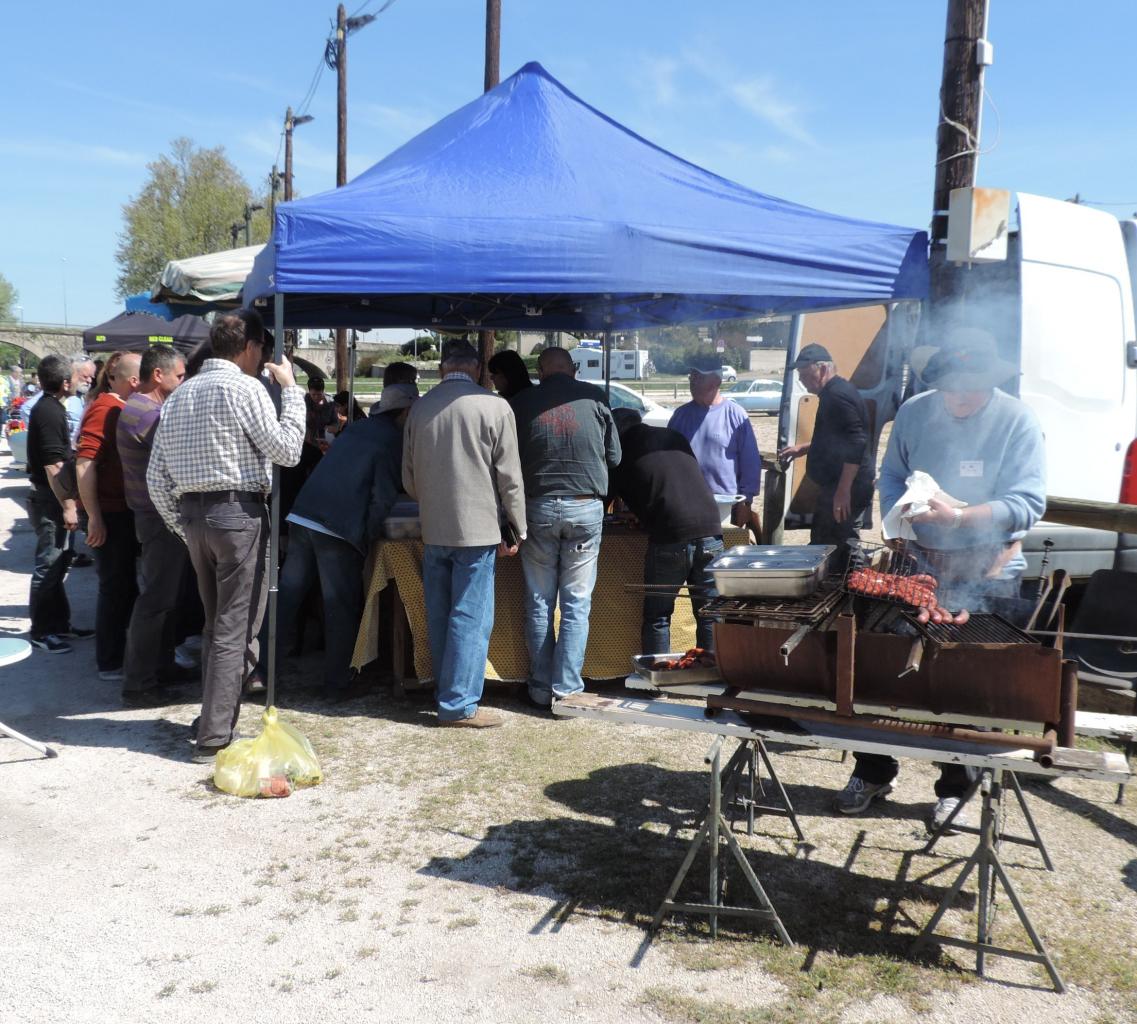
710,829
41,748
745,764
986,859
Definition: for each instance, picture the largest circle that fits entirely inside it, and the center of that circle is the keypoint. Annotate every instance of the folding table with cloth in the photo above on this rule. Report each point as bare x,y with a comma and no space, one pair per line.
614,624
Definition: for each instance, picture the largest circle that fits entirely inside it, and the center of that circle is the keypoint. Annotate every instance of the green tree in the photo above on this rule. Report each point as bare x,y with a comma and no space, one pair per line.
8,297
187,207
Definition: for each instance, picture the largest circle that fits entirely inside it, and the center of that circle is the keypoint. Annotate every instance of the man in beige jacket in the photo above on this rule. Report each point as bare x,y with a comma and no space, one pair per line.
460,463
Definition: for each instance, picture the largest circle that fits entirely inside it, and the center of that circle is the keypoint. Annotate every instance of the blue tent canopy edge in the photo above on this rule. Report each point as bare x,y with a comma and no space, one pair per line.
527,208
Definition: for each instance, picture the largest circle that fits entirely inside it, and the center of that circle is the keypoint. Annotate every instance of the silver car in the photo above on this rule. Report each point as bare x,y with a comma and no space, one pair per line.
757,395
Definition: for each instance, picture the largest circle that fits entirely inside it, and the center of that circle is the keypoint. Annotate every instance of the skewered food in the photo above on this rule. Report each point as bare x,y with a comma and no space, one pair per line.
695,657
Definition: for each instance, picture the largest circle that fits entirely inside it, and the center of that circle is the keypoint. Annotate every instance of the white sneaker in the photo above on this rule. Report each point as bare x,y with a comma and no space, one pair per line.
943,810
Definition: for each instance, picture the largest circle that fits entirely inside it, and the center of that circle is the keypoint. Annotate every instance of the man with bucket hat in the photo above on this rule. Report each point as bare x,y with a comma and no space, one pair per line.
840,457
984,448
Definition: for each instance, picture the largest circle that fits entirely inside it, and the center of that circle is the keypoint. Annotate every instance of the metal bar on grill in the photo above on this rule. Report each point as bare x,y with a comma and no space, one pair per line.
979,629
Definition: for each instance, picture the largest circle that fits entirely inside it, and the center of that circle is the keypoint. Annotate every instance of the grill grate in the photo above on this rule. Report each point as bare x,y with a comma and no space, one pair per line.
979,629
805,610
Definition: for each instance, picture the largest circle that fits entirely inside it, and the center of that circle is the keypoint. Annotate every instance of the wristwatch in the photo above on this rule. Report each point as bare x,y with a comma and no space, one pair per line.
956,518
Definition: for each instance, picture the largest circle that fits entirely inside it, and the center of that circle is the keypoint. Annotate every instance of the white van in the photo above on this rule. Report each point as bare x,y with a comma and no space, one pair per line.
1062,308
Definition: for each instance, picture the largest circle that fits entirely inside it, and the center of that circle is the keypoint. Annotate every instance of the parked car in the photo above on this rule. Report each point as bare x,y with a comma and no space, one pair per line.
728,373
623,397
758,395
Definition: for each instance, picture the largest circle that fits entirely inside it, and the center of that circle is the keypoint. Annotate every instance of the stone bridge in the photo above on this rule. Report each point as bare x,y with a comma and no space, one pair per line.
42,339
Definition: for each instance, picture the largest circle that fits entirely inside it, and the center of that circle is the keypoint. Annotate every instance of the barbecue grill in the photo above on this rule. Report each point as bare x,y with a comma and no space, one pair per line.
839,653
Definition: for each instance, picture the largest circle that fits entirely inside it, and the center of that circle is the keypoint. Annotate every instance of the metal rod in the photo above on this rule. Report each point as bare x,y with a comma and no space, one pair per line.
1081,636
795,638
274,523
915,657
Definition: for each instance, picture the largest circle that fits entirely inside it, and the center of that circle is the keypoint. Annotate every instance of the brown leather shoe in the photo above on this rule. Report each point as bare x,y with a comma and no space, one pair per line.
481,719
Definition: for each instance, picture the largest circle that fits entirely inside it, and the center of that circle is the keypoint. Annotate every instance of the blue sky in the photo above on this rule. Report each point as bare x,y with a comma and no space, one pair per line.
824,102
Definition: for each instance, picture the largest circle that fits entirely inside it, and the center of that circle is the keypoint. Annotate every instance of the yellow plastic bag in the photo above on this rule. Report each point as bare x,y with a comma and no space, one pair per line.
271,764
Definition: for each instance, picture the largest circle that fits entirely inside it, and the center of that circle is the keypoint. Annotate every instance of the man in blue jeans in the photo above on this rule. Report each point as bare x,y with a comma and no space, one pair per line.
567,441
660,481
460,464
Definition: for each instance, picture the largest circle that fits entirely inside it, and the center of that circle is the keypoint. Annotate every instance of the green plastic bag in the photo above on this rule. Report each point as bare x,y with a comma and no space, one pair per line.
271,764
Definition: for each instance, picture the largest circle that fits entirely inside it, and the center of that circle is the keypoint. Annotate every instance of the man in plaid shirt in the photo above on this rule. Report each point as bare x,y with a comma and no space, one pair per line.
209,476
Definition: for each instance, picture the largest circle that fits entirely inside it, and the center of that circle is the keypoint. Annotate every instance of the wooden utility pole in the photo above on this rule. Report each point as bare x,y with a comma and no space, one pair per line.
490,81
966,54
341,167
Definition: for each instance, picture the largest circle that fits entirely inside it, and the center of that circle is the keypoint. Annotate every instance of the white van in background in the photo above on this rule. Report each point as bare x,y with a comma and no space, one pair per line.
1062,308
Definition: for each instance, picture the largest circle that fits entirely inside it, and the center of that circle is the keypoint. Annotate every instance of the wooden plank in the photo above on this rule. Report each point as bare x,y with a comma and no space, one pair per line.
1098,723
1094,515
846,658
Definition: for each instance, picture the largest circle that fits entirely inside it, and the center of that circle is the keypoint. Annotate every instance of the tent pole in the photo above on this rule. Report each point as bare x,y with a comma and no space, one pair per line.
351,355
274,524
606,347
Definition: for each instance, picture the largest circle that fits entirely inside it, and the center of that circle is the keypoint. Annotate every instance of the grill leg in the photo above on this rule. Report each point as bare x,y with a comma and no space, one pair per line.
986,859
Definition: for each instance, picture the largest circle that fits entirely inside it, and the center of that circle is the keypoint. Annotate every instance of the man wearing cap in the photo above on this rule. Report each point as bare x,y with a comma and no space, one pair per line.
567,441
460,463
840,459
720,435
983,448
336,518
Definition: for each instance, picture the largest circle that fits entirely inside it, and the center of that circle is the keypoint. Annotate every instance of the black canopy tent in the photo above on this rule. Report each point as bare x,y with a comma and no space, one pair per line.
136,332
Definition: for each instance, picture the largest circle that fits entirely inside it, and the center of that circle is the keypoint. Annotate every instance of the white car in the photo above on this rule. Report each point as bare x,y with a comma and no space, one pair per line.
623,397
728,374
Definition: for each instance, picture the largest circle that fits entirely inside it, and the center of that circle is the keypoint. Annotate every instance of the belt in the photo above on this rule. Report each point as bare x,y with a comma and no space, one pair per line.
231,496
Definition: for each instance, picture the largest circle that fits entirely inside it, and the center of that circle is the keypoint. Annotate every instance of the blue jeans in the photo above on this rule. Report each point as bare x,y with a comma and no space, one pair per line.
458,590
339,566
559,560
48,606
673,565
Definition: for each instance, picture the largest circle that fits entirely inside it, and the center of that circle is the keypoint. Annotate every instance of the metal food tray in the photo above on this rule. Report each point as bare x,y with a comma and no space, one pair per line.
641,664
771,571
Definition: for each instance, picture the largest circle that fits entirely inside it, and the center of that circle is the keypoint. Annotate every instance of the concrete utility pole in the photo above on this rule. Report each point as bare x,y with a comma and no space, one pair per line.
336,57
491,80
966,55
290,122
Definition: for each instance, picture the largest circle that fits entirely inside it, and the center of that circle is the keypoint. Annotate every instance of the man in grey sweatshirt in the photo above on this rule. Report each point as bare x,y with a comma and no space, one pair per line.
460,463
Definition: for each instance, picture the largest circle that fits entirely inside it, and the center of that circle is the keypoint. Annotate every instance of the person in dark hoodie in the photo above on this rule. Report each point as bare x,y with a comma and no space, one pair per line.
660,482
335,519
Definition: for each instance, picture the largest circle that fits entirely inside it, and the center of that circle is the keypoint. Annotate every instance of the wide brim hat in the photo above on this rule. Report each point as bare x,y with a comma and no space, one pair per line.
968,360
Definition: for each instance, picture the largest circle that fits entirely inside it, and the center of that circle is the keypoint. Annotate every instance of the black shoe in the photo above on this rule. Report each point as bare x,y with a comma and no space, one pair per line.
352,690
254,685
82,561
76,633
51,644
176,675
528,700
205,755
153,697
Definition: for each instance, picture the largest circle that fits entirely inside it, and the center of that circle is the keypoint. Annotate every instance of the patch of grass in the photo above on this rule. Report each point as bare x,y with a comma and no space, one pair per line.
674,1006
199,988
184,912
366,952
348,915
461,922
549,973
272,939
332,973
320,897
1111,970
167,990
216,910
251,901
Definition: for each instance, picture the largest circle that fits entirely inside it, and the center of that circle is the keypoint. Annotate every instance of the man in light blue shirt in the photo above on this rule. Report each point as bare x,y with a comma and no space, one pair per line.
722,439
982,447
82,376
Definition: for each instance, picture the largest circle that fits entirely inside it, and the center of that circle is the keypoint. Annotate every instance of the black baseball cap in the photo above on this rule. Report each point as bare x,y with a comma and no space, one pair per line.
813,353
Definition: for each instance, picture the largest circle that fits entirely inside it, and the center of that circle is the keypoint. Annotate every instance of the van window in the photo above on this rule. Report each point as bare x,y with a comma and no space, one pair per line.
593,363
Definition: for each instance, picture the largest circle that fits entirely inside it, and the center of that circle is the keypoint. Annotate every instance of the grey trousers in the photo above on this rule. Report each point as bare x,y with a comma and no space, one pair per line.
150,636
228,545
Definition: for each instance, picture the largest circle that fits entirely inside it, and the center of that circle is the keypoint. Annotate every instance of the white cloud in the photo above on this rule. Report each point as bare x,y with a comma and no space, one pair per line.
63,149
402,123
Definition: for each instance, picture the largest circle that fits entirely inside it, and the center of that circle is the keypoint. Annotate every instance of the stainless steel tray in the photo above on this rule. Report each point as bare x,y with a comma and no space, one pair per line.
641,663
771,571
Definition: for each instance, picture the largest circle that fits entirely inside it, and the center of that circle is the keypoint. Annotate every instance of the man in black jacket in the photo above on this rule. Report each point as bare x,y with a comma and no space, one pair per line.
335,519
840,459
660,481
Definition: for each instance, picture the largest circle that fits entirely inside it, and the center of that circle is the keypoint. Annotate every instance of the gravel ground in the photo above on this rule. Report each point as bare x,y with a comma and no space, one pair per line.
506,876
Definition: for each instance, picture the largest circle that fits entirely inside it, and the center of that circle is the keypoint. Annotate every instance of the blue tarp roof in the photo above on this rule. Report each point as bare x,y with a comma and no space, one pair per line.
528,208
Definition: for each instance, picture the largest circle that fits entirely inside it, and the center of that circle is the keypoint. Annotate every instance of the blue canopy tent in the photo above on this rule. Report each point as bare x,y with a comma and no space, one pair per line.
529,209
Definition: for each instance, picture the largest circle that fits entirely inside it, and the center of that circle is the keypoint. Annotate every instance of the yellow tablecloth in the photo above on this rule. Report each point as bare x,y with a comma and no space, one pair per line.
613,627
